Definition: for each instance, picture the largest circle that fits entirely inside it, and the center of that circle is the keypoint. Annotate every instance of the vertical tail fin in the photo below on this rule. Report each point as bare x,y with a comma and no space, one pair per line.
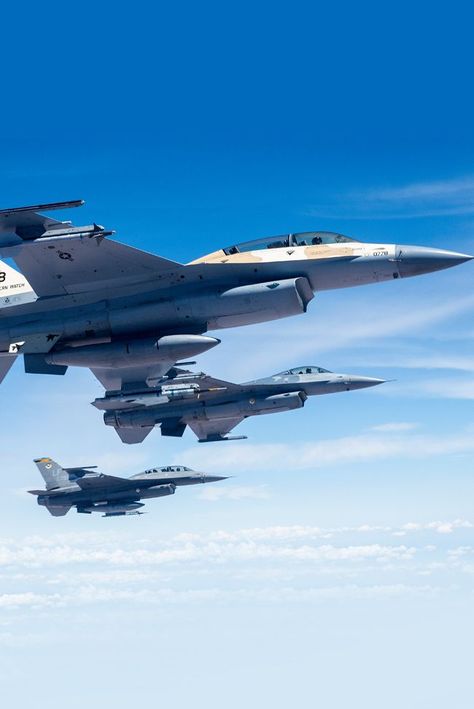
14,288
53,475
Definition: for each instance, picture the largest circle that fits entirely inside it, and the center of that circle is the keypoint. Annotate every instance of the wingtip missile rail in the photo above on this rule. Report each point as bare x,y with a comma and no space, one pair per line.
47,207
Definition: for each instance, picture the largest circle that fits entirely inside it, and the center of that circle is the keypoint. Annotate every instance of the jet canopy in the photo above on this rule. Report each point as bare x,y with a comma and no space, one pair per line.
303,238
307,370
169,469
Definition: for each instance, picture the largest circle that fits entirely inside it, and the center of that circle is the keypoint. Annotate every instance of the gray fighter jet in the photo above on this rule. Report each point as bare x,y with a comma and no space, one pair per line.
212,407
112,496
85,300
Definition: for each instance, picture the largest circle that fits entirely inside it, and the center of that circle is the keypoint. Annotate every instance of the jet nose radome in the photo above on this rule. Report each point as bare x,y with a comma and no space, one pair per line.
213,478
415,260
363,382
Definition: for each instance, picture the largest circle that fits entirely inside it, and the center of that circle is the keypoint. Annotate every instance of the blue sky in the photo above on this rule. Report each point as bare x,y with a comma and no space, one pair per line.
336,566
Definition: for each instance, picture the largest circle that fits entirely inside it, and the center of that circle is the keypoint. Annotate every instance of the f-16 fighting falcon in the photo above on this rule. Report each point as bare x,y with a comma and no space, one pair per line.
112,496
212,407
85,300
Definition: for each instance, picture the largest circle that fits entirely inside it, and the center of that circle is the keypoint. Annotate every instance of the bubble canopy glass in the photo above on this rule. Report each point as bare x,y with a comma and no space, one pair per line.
304,238
169,469
309,369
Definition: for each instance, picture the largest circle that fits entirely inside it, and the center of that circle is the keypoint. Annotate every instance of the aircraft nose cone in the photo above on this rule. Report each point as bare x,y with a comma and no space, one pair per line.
363,382
415,260
213,478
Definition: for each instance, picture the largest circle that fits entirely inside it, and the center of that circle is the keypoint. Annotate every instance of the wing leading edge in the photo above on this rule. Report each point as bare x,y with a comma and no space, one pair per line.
60,259
106,481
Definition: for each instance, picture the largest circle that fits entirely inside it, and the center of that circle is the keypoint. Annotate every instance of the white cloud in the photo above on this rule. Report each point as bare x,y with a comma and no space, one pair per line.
426,361
92,595
274,564
32,600
450,388
376,445
320,332
210,551
296,543
447,527
455,196
443,388
395,426
439,198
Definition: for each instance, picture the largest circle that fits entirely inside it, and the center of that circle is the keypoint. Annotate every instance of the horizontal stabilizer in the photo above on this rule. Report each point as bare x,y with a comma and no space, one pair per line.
36,364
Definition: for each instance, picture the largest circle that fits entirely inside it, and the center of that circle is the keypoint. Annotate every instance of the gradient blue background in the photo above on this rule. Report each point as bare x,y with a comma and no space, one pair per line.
336,567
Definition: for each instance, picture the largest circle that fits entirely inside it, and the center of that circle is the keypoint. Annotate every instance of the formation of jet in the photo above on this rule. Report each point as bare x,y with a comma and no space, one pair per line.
212,407
110,495
84,300
81,299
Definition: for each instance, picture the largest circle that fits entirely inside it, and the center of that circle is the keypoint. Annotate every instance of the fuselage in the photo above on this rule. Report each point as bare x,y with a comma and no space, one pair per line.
216,291
193,402
155,482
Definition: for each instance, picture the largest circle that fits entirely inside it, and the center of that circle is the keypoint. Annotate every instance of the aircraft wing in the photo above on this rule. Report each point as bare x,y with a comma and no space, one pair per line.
72,265
115,378
215,430
110,482
151,374
205,381
24,223
106,481
58,259
211,383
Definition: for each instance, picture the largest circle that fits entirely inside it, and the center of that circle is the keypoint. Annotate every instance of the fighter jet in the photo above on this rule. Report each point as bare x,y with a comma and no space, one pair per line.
85,300
112,496
212,407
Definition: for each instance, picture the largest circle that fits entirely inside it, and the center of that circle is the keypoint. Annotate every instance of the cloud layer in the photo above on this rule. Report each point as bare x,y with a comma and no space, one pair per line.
437,198
264,564
385,441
